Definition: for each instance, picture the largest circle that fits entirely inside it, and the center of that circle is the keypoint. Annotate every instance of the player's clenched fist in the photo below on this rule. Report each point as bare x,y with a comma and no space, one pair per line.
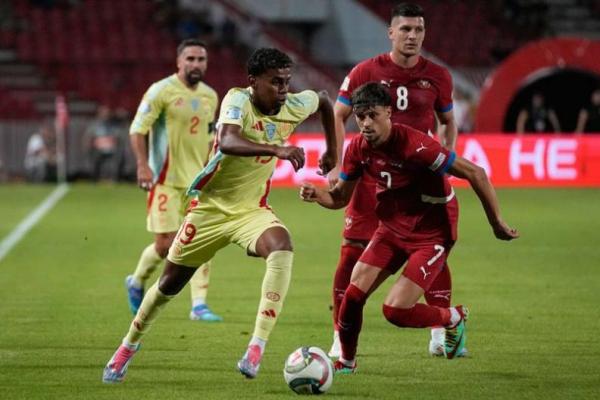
144,177
504,232
293,154
308,192
327,163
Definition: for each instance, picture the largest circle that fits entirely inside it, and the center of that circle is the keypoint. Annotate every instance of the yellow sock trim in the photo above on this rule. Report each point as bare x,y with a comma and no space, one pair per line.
274,289
151,306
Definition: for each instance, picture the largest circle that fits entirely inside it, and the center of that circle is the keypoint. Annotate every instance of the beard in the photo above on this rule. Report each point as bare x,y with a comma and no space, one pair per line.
194,77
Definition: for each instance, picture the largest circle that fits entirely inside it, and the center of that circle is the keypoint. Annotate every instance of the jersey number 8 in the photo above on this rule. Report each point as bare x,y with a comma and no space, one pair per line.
402,102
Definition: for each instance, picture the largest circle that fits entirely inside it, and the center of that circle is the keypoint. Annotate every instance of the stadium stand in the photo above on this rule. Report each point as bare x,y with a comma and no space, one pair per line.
90,51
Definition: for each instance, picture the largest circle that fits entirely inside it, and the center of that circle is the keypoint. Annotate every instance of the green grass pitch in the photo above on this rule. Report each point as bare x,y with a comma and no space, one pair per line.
533,331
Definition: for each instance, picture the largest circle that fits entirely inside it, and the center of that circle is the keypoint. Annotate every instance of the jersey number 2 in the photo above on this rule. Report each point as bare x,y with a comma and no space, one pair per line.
402,102
194,124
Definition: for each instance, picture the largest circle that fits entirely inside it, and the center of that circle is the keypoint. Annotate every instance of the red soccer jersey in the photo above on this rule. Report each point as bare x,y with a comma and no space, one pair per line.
416,92
414,197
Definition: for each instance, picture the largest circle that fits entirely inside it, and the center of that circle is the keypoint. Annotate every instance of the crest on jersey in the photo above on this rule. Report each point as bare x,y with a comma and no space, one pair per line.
195,104
233,113
144,107
270,130
424,84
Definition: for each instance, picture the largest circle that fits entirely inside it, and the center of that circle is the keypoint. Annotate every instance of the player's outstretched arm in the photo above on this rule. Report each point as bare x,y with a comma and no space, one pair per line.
329,159
341,112
334,198
231,142
140,150
478,179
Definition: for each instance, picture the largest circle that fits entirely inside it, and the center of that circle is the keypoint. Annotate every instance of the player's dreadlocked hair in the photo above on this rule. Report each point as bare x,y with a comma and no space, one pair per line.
189,43
370,95
407,10
264,59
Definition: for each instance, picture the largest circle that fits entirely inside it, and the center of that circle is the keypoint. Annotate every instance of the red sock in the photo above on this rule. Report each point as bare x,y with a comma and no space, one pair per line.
349,256
419,316
350,322
440,292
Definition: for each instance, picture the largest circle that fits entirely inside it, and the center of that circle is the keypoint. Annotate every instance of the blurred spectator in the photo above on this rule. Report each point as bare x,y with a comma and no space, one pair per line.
40,156
589,117
537,117
463,111
102,142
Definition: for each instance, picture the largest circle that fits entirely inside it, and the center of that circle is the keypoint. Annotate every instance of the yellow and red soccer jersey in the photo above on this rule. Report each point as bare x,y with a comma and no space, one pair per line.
236,184
177,119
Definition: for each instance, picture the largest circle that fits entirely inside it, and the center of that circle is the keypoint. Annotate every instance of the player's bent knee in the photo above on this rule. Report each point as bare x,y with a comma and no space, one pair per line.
174,278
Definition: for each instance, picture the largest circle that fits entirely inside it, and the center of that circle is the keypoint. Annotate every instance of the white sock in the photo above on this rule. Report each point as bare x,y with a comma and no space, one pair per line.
129,345
136,283
454,317
199,301
438,334
336,336
347,363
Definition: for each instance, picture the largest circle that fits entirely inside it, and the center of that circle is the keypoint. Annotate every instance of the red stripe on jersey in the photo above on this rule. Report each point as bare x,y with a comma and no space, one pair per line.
163,172
207,178
193,204
150,199
264,198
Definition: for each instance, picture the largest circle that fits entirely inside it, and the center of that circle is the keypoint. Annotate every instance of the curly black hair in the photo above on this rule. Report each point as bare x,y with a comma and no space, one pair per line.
264,59
370,95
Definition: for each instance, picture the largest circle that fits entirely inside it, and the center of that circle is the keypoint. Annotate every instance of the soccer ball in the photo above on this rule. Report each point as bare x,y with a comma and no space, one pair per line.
308,370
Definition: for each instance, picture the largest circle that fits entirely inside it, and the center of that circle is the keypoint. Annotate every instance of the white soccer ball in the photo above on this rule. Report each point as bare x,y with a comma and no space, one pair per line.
308,370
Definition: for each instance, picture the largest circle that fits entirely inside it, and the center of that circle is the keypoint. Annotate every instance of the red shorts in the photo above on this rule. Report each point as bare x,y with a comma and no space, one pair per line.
360,218
425,258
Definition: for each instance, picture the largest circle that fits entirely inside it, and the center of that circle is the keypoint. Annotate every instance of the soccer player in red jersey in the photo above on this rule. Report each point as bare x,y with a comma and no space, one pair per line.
418,215
421,91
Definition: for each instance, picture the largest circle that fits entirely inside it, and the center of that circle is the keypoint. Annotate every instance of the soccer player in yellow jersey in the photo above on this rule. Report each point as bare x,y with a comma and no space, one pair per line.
175,118
232,206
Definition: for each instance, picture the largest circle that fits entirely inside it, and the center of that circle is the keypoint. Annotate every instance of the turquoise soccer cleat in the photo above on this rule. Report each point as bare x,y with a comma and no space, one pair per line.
339,368
134,295
456,337
203,313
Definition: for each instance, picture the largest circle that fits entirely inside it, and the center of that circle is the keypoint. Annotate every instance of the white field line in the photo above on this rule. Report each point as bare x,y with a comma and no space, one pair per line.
33,218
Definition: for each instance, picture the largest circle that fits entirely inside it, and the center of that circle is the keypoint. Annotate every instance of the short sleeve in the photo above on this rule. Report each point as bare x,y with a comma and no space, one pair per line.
352,166
234,108
148,111
354,79
309,100
443,103
422,150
